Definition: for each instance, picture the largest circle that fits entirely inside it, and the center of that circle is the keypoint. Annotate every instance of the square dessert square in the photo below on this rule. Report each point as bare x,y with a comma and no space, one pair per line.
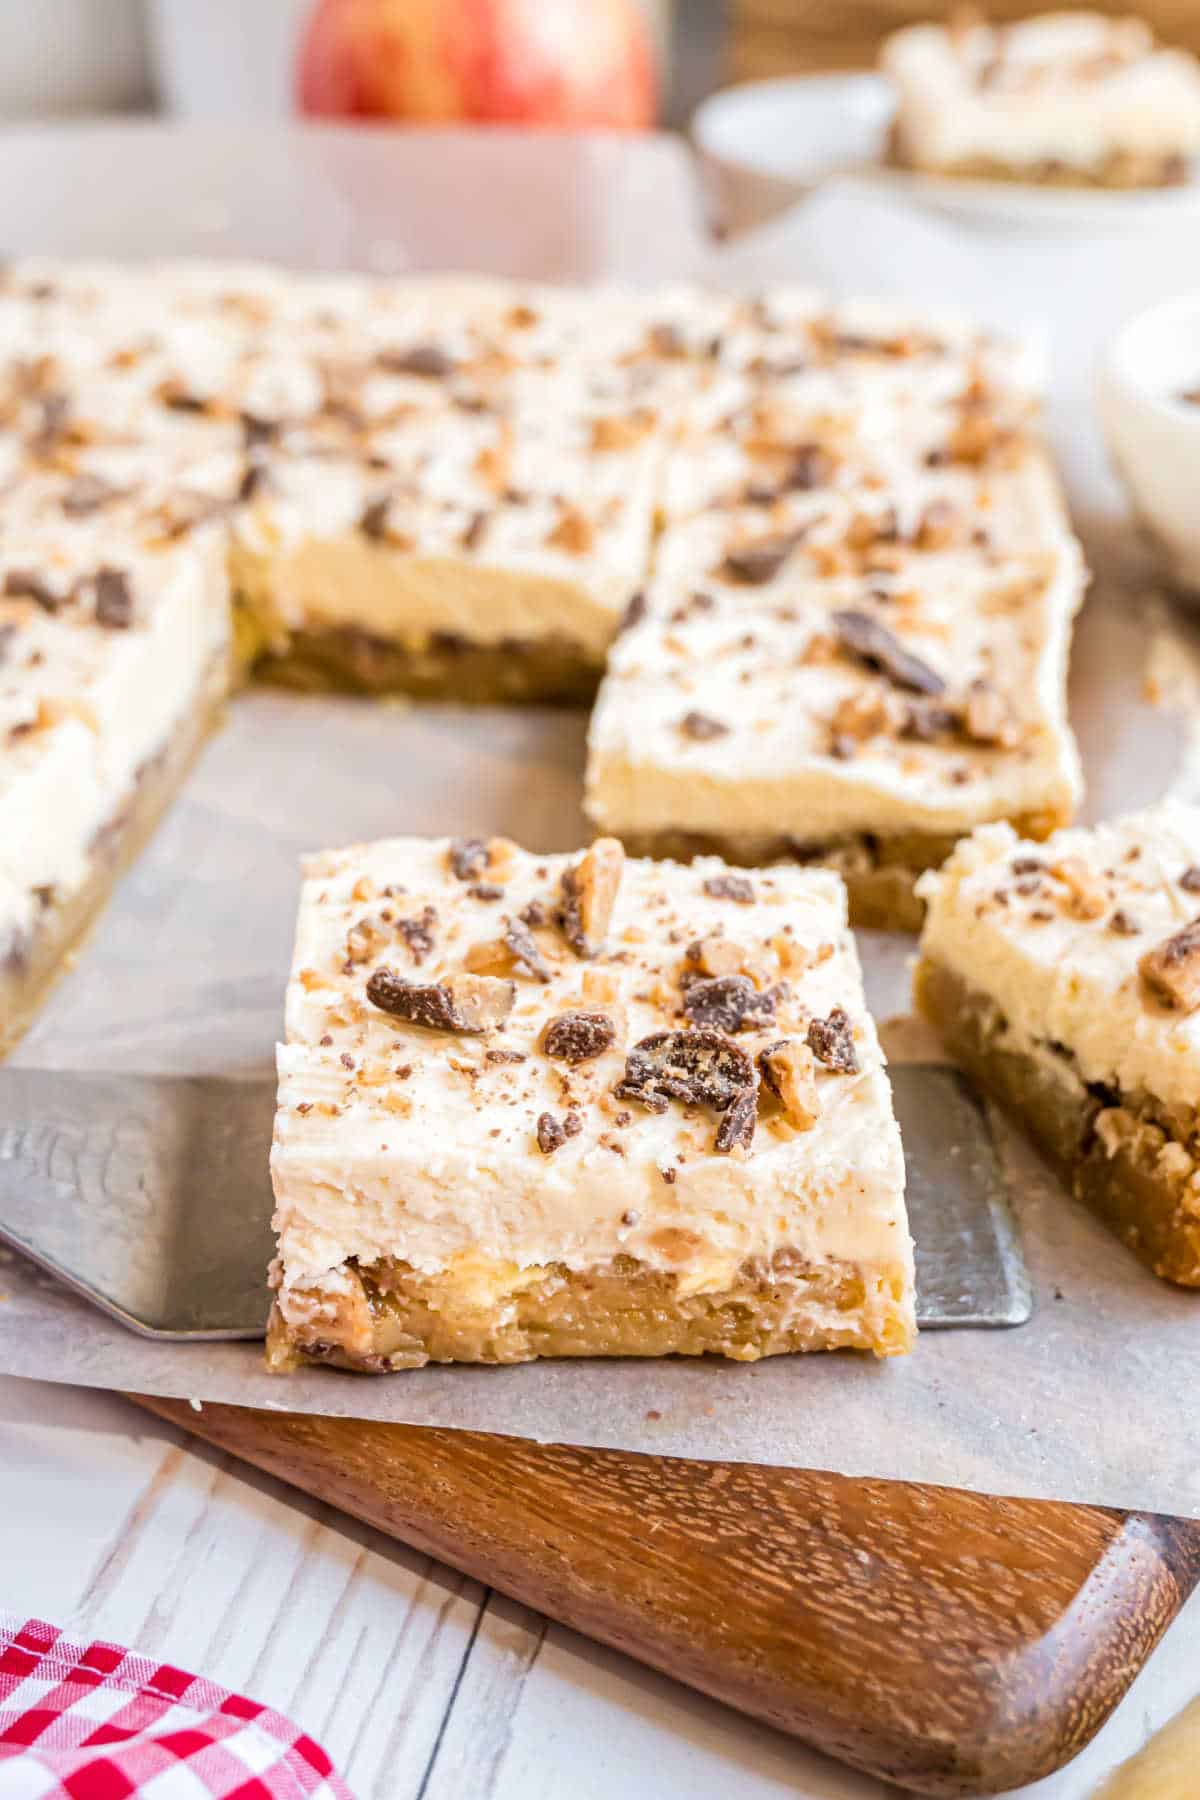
1065,977
579,1106
1066,98
850,677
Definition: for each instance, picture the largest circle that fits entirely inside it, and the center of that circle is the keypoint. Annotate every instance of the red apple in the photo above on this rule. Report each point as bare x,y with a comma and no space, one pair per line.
515,62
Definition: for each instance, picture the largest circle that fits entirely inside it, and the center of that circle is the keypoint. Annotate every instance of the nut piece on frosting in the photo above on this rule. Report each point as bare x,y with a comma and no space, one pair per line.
566,1139
1171,970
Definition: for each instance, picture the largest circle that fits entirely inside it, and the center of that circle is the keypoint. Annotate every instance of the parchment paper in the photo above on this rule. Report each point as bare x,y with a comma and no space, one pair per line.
1091,1401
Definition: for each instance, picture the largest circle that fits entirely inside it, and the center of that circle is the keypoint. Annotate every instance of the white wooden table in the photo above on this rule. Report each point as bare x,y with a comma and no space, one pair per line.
420,1683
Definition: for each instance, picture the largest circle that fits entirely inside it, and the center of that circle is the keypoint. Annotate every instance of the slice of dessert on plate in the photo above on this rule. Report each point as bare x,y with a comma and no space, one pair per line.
1065,99
1065,977
579,1106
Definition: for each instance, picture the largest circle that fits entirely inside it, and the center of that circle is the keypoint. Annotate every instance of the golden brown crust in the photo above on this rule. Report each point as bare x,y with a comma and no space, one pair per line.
1128,1162
391,1317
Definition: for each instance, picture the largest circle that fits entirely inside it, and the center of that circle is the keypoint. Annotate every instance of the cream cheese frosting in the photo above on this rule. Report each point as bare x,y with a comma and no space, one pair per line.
1054,935
1067,88
394,1140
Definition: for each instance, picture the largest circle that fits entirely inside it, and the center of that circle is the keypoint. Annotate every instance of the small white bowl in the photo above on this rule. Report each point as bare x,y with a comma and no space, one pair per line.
766,144
1153,434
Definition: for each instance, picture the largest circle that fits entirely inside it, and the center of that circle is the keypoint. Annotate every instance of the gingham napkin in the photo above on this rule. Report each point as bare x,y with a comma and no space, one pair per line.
96,1722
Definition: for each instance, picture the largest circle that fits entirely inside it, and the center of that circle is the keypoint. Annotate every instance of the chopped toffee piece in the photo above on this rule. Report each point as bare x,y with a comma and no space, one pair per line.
789,1072
700,1067
550,1134
417,933
756,563
831,1041
24,584
468,858
736,1128
728,1003
1171,970
114,599
589,893
426,360
522,946
702,727
1189,881
738,888
868,638
467,1004
576,1037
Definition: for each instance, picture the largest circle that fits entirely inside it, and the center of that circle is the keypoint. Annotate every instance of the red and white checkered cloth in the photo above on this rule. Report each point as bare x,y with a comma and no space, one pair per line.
95,1722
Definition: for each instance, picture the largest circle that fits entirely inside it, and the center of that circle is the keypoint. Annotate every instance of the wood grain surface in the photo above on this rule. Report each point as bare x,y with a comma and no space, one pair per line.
957,1643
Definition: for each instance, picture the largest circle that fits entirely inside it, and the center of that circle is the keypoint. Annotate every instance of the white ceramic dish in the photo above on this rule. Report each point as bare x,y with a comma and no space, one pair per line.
766,144
1154,434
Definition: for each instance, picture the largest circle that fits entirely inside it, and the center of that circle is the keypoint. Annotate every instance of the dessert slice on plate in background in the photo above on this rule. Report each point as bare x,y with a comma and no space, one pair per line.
1065,978
579,1106
1067,99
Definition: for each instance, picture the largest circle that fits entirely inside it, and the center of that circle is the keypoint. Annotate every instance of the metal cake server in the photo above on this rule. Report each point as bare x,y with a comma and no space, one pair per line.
150,1196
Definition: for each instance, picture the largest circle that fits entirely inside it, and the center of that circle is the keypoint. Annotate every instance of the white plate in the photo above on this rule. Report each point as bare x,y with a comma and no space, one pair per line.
766,144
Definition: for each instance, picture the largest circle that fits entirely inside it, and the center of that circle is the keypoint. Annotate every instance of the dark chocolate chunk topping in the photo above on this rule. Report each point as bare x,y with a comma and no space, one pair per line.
702,727
87,494
468,858
730,887
867,638
575,1037
634,612
114,599
427,360
550,1134
831,1041
23,584
373,522
522,946
1124,924
417,932
728,1003
468,1004
700,1067
736,1130
1189,881
758,562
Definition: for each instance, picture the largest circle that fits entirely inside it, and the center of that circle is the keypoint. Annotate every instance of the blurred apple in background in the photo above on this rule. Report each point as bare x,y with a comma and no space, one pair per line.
565,63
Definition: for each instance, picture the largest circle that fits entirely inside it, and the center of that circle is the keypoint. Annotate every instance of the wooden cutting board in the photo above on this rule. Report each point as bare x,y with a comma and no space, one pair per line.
953,1642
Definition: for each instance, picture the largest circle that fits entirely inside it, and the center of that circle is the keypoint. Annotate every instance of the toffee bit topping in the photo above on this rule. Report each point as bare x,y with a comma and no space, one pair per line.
986,718
1124,924
1189,881
427,360
701,1068
730,887
486,891
417,933
635,612
715,956
468,858
522,947
255,480
702,727
1087,892
589,894
736,1130
576,1037
728,1003
756,563
881,650
535,914
504,1056
23,584
364,940
789,1073
550,1134
467,1004
114,599
831,1041
572,1123
1171,970
87,494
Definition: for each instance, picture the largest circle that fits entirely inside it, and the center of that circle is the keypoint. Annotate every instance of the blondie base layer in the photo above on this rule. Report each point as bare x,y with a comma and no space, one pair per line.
579,1106
1065,978
1061,100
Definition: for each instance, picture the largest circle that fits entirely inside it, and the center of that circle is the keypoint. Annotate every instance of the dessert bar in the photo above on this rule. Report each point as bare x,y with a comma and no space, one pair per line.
579,1106
1065,978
